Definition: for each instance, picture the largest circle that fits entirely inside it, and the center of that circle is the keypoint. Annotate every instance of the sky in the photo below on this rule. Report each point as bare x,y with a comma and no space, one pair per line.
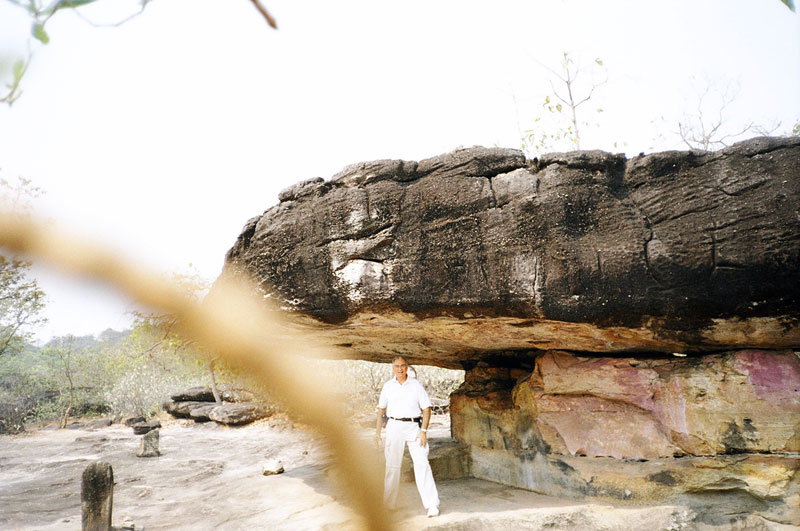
162,136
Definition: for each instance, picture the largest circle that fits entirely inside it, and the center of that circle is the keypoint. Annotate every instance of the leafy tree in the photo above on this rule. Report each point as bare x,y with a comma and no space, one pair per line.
21,299
62,357
158,336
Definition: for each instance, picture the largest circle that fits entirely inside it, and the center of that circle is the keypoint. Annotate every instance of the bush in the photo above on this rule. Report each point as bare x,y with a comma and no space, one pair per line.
363,380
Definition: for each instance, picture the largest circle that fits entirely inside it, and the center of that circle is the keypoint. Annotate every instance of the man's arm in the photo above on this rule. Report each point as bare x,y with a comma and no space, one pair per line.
379,424
426,420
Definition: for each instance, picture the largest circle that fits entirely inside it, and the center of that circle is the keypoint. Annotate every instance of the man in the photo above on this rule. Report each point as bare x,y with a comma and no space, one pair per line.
408,407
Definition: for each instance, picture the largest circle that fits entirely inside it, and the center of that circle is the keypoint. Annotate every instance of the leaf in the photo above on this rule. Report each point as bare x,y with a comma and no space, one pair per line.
599,110
789,4
38,32
19,70
599,61
558,107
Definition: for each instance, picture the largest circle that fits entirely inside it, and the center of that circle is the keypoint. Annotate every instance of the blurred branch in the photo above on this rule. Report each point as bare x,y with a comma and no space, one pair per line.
234,324
265,14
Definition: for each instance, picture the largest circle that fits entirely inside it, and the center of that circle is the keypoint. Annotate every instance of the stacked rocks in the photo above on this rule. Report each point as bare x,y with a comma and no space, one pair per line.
238,406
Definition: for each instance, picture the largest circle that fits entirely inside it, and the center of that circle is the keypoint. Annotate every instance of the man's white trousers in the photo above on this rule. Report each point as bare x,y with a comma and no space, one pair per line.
398,434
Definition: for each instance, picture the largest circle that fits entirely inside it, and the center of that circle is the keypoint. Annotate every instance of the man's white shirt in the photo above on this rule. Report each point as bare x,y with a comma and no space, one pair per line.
403,400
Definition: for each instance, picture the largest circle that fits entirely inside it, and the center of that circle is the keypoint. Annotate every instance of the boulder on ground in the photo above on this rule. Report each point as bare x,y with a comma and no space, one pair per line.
200,414
237,395
99,423
182,409
194,394
272,467
237,414
130,421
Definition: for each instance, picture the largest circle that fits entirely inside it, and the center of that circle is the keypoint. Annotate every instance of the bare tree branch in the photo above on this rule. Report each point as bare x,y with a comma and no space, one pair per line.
265,14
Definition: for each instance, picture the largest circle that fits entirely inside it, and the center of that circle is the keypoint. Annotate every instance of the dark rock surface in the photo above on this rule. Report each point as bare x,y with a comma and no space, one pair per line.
182,409
200,414
140,428
237,395
194,394
130,421
237,414
239,406
477,253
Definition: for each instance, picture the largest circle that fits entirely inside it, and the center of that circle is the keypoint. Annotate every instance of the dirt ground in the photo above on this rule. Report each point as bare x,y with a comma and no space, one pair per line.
209,477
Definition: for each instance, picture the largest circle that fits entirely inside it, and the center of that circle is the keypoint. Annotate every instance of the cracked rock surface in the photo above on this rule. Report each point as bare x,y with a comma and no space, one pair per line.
467,255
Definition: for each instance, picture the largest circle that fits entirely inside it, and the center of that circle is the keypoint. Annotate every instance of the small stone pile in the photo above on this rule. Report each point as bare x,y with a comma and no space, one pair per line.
238,406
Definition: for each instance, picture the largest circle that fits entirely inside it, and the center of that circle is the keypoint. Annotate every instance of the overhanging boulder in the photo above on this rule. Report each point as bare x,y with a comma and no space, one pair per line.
480,253
626,326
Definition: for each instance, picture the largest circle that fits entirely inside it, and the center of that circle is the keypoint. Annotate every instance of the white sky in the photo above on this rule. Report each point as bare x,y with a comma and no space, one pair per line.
162,136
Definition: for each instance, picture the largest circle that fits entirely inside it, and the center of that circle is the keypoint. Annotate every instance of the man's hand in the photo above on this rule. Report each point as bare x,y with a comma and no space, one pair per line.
377,439
423,438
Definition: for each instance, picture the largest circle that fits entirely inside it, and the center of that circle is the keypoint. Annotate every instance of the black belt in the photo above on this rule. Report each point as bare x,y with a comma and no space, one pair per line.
408,419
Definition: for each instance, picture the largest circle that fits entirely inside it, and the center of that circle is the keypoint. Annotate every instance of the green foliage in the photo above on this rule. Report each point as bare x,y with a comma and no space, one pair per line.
21,299
361,381
559,124
39,33
788,3
14,92
40,13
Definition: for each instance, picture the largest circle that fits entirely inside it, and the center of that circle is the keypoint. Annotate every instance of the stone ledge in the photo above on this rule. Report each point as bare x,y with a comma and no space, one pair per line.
449,459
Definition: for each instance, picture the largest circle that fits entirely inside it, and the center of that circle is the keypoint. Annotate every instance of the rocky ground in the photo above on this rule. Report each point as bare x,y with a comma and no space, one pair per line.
210,477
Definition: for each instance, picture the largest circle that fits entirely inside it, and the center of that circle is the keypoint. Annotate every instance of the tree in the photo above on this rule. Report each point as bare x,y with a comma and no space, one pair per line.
21,299
563,104
709,126
159,335
21,302
62,356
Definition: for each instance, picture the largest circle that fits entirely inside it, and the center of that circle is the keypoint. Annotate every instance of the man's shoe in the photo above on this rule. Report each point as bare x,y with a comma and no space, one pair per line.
433,511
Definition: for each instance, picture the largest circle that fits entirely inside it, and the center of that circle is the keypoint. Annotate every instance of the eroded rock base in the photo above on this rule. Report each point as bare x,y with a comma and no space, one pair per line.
720,428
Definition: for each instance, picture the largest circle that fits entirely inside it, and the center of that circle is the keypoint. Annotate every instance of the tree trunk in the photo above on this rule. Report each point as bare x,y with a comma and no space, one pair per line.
214,390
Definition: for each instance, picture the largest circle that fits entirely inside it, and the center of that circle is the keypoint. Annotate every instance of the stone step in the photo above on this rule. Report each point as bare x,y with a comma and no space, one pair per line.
448,457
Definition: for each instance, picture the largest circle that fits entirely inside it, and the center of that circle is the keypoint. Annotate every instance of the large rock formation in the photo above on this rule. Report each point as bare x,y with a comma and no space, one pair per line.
477,252
724,426
626,326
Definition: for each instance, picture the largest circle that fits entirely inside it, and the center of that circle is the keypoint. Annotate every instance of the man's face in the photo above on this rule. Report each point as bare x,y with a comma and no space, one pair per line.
400,368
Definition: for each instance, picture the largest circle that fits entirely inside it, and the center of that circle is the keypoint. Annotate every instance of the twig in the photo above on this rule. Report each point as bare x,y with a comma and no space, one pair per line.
265,14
